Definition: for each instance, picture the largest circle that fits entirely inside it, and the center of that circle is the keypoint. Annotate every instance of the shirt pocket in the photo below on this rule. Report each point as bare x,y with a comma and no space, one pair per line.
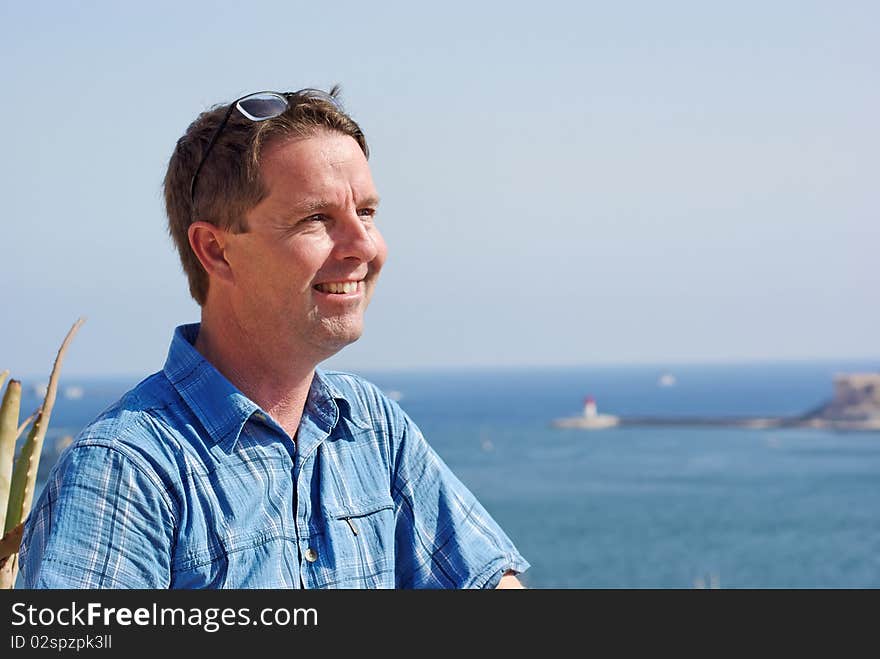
360,544
238,530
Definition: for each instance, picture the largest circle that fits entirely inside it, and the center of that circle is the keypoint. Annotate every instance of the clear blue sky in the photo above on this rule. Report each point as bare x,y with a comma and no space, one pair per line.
562,182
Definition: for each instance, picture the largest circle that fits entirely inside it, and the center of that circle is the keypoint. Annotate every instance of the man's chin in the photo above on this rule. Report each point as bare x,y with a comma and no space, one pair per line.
340,332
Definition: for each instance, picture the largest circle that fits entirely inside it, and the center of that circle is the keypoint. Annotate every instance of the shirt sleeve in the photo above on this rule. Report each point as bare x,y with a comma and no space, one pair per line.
102,521
444,538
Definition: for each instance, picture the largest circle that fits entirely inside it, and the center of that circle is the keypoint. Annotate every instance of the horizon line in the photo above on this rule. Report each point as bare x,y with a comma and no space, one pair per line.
664,366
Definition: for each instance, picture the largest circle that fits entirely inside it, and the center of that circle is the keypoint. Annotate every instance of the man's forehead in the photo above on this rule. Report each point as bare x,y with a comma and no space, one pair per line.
319,171
323,150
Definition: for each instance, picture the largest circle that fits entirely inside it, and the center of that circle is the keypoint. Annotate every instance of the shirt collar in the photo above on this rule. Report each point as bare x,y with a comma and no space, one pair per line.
223,410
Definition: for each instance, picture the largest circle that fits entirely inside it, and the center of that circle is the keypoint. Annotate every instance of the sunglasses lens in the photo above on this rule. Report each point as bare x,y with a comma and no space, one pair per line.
259,107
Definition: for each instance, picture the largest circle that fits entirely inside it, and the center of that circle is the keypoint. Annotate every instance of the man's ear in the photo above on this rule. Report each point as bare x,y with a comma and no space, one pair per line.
208,242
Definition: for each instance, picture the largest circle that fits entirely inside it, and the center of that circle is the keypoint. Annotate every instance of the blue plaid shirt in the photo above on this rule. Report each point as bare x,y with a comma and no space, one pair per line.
186,483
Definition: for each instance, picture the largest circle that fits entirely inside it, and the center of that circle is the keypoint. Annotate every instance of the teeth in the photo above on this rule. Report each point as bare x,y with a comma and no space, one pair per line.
338,287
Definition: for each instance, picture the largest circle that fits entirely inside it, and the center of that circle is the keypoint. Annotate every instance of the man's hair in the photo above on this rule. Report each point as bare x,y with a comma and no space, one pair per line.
229,183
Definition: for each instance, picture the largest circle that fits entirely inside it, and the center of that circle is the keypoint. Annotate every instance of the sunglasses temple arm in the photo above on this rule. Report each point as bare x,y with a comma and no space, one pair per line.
213,140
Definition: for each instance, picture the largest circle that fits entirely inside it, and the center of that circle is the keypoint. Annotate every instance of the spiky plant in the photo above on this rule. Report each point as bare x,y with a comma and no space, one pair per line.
17,482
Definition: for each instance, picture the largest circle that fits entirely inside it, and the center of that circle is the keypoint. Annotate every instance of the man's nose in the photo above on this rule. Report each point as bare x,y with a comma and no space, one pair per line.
355,238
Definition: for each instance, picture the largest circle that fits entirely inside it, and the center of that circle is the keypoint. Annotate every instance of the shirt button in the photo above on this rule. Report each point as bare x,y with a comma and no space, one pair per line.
311,555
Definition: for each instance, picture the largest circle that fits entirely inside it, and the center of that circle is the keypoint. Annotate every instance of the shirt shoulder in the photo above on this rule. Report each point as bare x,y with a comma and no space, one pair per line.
139,427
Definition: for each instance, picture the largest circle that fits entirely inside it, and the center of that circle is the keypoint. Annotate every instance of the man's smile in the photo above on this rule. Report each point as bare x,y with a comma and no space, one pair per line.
340,287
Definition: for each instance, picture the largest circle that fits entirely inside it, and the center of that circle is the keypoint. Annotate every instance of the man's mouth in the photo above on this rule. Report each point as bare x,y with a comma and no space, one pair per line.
338,287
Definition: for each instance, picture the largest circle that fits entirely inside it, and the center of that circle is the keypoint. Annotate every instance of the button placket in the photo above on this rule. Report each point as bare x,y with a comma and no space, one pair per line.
302,527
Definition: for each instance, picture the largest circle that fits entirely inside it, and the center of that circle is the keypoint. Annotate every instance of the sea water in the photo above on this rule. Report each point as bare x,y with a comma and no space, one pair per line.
638,506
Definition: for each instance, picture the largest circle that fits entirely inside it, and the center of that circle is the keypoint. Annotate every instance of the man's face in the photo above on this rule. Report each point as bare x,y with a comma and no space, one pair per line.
304,271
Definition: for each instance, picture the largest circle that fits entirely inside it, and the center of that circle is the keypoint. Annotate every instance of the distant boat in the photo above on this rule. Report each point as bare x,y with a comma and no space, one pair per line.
73,392
666,380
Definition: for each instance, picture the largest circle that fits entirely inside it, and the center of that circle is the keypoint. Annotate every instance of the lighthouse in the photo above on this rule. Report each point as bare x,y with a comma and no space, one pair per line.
590,407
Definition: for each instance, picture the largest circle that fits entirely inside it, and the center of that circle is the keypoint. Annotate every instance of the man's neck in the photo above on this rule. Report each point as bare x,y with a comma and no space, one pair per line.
280,389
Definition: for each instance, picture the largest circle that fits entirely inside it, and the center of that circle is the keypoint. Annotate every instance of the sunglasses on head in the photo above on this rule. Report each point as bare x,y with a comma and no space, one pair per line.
259,106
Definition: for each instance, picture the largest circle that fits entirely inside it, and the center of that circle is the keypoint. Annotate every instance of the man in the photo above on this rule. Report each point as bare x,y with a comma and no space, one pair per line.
240,464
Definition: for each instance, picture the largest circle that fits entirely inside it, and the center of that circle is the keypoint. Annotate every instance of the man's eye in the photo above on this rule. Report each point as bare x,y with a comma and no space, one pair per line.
367,212
319,217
